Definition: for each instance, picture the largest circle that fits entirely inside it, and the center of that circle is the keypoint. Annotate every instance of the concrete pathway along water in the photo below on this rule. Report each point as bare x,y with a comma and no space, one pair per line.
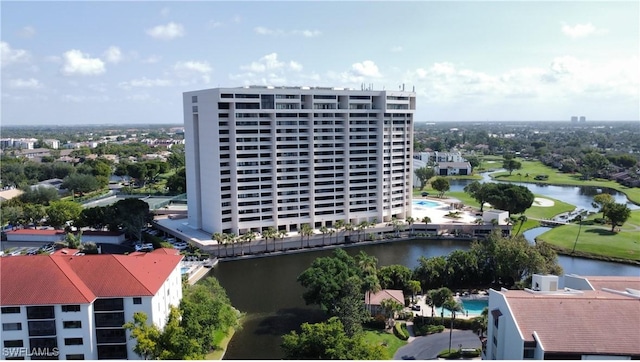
428,347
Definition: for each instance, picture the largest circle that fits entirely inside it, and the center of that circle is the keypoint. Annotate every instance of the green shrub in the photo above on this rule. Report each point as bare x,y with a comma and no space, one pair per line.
377,322
399,331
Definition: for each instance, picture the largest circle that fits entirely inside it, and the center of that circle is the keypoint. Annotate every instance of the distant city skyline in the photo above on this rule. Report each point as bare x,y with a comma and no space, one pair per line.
70,63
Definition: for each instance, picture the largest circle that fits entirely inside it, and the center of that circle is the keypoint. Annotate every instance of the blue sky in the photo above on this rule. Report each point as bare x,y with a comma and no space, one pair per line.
129,62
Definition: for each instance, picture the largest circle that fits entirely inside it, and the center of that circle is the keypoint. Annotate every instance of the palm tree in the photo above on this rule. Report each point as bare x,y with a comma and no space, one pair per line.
324,230
268,234
478,221
218,237
390,307
414,287
452,306
522,218
579,217
307,231
361,227
410,221
338,225
430,298
370,284
281,235
250,237
231,238
331,232
349,227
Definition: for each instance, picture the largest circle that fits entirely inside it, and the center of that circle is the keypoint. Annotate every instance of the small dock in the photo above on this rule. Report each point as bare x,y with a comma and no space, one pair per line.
199,270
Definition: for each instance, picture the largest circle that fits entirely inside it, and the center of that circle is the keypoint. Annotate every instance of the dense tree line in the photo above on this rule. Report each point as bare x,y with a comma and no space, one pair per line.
204,312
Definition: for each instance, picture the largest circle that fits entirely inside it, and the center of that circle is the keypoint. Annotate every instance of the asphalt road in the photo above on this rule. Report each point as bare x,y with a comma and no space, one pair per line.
428,347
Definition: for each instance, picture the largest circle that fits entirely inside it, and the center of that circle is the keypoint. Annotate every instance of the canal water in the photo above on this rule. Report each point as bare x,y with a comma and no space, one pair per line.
266,290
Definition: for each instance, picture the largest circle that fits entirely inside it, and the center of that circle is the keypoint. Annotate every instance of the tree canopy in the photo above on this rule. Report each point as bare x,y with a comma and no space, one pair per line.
328,341
441,185
513,198
618,214
424,174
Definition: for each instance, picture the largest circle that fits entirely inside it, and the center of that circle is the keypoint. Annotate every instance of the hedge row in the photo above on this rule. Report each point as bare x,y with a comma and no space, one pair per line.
399,331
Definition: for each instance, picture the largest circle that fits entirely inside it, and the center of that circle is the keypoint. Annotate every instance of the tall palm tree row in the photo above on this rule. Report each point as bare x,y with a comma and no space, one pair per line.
270,233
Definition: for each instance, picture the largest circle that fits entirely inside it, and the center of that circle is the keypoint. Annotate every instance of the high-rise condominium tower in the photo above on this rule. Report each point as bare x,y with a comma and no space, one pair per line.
281,157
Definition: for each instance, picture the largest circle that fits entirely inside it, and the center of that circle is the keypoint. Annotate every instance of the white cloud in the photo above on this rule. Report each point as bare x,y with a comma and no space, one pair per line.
145,82
365,69
268,70
27,32
30,83
166,32
261,30
189,68
565,79
396,49
581,30
113,54
270,63
10,56
77,63
214,24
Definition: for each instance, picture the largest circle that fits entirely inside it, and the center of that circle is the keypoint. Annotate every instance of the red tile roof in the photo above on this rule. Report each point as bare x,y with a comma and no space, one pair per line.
594,322
614,282
65,278
36,232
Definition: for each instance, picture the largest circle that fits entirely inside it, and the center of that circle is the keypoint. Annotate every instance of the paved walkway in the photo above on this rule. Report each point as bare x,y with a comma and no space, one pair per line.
428,347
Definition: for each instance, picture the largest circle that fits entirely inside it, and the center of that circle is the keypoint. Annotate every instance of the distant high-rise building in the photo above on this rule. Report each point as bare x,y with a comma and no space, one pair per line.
281,157
574,119
583,119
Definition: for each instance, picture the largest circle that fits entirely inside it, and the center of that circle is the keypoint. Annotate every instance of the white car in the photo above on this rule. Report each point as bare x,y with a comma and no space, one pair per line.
180,245
144,247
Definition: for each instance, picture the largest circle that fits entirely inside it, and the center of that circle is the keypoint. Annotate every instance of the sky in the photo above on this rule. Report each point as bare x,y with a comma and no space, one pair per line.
116,62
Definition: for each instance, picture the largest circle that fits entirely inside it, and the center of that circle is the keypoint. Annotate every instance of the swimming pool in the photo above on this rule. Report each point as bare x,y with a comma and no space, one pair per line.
426,203
472,306
184,270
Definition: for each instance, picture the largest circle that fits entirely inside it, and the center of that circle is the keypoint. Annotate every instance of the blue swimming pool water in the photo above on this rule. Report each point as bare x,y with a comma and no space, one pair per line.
184,270
472,306
426,203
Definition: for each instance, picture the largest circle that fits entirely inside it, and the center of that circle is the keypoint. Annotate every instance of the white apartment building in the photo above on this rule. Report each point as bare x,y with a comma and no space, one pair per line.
281,157
586,318
65,306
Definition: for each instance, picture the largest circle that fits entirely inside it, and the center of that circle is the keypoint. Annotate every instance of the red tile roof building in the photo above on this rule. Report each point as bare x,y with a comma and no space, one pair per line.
78,304
589,318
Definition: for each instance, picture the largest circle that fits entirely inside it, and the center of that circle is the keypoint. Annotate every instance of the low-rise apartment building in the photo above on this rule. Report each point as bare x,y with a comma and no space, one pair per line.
65,306
587,318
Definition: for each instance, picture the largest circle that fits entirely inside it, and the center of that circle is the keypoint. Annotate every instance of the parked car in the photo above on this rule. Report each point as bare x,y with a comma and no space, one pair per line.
144,247
415,307
180,245
424,193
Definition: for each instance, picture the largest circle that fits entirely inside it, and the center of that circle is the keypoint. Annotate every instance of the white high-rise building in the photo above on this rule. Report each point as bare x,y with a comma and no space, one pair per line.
281,157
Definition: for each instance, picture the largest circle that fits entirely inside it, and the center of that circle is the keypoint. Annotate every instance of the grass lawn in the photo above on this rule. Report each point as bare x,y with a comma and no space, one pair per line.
534,168
389,341
598,239
222,340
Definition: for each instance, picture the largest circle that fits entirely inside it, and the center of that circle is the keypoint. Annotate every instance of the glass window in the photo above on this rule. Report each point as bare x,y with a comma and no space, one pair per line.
137,300
194,99
42,328
74,356
11,326
71,308
14,343
71,324
40,312
73,341
10,310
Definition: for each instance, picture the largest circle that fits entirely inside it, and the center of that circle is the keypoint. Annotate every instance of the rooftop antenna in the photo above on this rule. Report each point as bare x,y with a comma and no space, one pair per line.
403,87
414,89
